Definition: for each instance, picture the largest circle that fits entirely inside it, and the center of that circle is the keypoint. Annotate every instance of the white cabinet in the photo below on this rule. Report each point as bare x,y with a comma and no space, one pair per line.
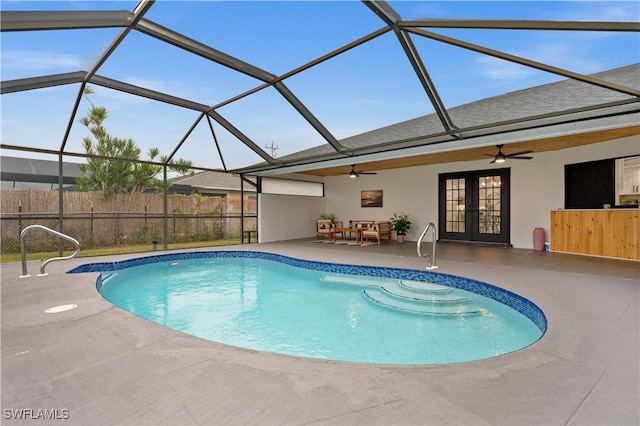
628,177
631,175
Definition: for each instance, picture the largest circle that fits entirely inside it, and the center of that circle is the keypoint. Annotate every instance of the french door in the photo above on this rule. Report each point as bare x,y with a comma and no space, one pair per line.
474,206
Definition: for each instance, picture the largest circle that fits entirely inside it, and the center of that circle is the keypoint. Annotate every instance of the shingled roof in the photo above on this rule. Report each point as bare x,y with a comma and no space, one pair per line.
566,95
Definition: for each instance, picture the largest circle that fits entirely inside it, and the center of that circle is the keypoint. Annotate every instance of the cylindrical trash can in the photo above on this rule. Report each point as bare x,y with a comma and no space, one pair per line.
538,239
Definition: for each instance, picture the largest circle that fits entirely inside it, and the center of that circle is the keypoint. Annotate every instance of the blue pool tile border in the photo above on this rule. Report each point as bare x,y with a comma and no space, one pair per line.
513,300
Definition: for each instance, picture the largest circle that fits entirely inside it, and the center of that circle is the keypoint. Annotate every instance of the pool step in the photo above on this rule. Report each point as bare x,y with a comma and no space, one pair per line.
391,283
424,296
424,287
356,280
384,299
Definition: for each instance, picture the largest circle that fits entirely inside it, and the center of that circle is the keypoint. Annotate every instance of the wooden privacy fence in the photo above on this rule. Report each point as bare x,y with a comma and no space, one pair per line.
124,219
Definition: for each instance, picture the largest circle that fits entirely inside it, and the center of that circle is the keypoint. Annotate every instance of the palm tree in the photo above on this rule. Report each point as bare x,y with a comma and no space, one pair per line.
124,174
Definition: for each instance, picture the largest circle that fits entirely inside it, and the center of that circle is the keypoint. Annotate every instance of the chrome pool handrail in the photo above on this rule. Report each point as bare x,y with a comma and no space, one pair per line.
23,251
430,258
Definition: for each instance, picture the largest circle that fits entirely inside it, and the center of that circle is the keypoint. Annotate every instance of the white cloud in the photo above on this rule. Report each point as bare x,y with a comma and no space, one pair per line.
603,11
498,69
39,60
569,55
620,14
427,10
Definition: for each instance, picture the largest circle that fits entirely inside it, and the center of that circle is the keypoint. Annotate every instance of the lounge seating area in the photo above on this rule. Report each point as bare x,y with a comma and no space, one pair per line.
359,232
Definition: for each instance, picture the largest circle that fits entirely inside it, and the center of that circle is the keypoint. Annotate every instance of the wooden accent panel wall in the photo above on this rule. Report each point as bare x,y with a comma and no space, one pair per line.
607,232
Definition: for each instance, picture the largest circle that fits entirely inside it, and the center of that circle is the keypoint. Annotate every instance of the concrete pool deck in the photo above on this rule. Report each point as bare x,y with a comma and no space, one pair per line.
98,364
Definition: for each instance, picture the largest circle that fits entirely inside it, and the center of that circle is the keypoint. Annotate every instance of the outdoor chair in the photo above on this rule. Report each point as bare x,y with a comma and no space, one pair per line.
328,227
377,230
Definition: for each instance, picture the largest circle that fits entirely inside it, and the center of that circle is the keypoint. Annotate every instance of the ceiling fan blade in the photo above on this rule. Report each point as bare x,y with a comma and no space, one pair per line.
519,153
357,173
500,157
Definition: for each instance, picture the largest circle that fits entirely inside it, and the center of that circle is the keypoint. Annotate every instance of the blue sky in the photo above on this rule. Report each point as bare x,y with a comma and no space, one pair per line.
363,89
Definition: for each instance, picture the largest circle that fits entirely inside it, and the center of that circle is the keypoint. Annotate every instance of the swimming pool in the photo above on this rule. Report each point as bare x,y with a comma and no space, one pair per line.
280,304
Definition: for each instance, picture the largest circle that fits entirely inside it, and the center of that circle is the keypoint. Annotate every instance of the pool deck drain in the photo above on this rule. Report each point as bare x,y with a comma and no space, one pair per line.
106,366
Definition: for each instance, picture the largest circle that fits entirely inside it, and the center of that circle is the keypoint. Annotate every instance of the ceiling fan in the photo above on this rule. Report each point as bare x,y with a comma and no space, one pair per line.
500,157
356,173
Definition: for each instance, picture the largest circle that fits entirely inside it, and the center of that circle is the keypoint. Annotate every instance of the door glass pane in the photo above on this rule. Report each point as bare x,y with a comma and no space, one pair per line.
455,204
489,198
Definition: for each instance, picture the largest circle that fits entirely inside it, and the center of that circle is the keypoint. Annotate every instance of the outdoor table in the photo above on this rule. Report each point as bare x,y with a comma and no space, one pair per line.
357,231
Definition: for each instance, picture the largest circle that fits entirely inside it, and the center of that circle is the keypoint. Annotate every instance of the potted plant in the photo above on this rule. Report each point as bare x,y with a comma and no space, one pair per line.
328,216
400,224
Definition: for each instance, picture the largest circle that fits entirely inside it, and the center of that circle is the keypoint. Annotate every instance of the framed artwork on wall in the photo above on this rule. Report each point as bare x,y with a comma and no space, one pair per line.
371,198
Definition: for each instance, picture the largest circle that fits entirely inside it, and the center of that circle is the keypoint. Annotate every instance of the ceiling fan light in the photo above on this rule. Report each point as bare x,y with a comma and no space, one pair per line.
500,158
353,174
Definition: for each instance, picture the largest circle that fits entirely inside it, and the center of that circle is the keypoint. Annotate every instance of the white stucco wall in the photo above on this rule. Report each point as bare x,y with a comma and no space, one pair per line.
537,187
287,217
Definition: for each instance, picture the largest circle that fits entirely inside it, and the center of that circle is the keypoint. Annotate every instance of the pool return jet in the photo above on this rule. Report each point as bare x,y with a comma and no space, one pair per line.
431,259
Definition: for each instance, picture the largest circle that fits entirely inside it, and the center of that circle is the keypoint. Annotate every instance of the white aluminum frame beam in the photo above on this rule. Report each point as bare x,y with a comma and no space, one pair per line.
62,20
31,83
183,42
135,17
391,18
168,36
527,62
488,24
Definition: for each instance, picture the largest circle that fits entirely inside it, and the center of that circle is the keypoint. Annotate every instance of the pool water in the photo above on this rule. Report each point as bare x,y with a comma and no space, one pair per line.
267,305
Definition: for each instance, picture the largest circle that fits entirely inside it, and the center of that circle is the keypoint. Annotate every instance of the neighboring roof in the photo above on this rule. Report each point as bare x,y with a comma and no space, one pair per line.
16,169
566,95
211,180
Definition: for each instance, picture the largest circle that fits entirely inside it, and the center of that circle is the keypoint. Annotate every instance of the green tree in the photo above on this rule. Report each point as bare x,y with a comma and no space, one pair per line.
115,176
